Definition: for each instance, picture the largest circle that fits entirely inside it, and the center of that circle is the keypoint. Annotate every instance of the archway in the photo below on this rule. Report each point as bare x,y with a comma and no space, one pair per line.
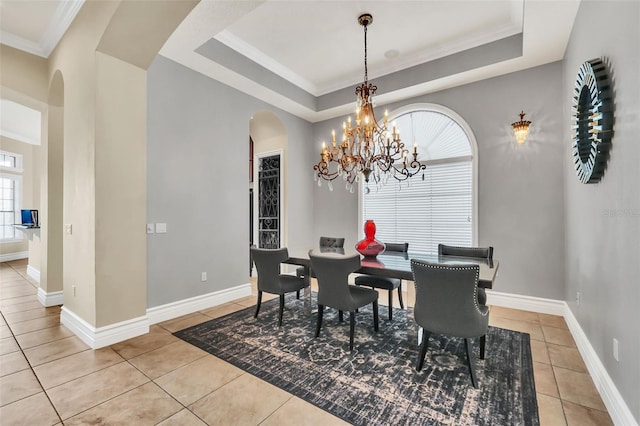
269,138
445,196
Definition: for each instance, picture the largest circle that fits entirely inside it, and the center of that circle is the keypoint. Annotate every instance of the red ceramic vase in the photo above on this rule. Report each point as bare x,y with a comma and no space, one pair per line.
369,247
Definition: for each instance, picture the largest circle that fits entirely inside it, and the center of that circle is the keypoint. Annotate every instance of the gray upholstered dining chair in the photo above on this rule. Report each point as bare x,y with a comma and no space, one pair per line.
325,242
334,291
447,303
270,279
475,252
386,283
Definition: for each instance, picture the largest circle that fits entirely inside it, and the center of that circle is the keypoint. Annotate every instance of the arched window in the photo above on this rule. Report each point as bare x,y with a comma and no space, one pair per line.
438,206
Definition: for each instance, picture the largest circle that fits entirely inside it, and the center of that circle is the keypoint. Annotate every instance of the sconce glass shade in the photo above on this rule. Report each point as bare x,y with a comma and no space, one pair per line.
521,128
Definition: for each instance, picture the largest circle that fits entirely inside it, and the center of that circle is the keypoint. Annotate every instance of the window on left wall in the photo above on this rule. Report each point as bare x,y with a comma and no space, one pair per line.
10,195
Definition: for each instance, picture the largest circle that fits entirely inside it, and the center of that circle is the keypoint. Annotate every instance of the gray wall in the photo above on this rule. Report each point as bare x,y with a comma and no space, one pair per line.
198,182
553,235
520,188
603,219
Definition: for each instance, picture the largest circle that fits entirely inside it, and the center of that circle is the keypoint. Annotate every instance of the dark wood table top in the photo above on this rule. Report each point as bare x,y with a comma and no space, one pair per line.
398,265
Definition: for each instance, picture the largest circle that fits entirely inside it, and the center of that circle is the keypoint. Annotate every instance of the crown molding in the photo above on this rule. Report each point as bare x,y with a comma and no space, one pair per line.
58,25
227,38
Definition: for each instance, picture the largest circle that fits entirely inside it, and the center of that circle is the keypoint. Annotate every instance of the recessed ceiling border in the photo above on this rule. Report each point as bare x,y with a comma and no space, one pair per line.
58,25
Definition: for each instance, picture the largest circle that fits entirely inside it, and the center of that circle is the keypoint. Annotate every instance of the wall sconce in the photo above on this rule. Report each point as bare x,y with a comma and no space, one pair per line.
521,128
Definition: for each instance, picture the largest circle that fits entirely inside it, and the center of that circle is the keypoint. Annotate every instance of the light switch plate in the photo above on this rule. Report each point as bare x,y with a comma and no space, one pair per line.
151,228
68,228
161,228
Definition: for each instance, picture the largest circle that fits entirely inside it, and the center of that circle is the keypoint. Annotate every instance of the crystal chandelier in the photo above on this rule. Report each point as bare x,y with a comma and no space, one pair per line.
521,128
367,148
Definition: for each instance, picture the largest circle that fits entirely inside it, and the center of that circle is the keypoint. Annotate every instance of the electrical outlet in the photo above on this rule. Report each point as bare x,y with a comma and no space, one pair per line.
615,349
578,298
151,228
203,277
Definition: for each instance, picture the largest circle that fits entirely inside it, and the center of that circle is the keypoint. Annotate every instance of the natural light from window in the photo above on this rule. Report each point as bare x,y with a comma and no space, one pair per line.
436,208
20,122
10,194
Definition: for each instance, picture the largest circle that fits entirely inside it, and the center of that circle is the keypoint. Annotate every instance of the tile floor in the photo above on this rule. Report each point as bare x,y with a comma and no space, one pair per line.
48,376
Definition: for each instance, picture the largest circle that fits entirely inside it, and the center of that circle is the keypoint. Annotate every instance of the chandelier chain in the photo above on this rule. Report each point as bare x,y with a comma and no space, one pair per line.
366,78
369,151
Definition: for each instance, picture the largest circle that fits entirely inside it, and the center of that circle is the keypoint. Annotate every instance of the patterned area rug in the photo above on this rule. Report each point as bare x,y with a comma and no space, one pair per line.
377,383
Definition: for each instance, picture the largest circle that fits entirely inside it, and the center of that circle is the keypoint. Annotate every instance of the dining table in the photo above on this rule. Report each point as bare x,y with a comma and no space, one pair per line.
394,265
398,265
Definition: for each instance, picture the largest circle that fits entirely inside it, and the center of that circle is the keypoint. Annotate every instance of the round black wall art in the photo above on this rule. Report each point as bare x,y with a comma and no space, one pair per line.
592,121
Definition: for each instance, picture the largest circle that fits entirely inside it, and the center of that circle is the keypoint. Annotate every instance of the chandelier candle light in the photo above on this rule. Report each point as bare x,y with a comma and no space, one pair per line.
367,148
521,128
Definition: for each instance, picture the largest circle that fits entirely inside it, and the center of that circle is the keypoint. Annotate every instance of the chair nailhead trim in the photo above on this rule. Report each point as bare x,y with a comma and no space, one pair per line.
454,268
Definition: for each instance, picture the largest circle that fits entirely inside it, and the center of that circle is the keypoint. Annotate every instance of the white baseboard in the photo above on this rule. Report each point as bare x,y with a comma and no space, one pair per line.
114,333
103,336
526,303
14,256
617,408
183,307
53,298
33,273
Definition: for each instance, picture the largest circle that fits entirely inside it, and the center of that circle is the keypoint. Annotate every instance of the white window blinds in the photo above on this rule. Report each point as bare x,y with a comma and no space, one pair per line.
436,209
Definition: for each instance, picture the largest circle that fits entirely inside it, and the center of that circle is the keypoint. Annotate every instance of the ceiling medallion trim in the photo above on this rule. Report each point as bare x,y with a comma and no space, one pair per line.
592,121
